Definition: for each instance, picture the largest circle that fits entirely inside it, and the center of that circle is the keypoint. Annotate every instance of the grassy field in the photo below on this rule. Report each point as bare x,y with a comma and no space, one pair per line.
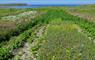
49,33
65,42
86,12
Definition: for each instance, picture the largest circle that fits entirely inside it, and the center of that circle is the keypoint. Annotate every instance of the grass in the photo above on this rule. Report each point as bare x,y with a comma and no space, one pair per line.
64,42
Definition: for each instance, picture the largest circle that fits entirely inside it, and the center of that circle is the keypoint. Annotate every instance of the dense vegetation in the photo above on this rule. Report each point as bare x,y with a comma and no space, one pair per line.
52,34
64,42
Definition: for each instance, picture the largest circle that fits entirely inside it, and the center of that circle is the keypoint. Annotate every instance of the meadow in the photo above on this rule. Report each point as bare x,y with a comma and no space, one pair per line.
48,33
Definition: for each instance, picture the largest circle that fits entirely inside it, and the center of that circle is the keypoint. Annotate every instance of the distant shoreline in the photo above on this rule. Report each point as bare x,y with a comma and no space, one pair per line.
37,5
33,6
22,4
16,4
25,4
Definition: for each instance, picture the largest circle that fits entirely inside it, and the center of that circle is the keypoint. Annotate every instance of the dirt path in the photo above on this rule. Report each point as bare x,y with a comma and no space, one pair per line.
25,53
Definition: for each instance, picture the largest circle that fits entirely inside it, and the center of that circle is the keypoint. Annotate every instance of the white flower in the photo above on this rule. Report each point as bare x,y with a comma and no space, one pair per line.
30,14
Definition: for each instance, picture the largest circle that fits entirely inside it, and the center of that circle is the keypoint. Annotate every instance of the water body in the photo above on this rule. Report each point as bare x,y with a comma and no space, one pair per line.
34,6
19,6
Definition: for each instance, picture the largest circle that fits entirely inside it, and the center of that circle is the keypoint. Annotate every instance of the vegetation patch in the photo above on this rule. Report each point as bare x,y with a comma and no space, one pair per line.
65,43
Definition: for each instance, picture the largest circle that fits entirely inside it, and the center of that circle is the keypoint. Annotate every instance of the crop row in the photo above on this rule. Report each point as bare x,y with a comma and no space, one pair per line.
13,28
33,42
53,14
16,42
89,27
6,50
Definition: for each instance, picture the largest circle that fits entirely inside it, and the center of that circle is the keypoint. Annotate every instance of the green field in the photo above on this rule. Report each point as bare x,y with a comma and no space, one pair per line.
48,33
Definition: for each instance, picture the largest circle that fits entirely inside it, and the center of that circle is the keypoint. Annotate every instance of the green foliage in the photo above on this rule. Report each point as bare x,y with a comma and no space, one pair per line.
6,50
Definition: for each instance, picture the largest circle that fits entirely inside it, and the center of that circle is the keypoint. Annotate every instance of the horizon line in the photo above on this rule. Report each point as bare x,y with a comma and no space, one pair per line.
50,4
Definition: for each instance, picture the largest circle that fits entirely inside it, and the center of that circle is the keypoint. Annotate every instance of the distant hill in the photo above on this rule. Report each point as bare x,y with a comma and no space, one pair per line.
16,4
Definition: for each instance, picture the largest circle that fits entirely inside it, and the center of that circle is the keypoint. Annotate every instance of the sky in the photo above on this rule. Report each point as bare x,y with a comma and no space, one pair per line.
49,1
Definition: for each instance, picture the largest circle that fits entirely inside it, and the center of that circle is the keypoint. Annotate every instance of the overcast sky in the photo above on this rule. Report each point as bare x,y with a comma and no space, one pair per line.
50,1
